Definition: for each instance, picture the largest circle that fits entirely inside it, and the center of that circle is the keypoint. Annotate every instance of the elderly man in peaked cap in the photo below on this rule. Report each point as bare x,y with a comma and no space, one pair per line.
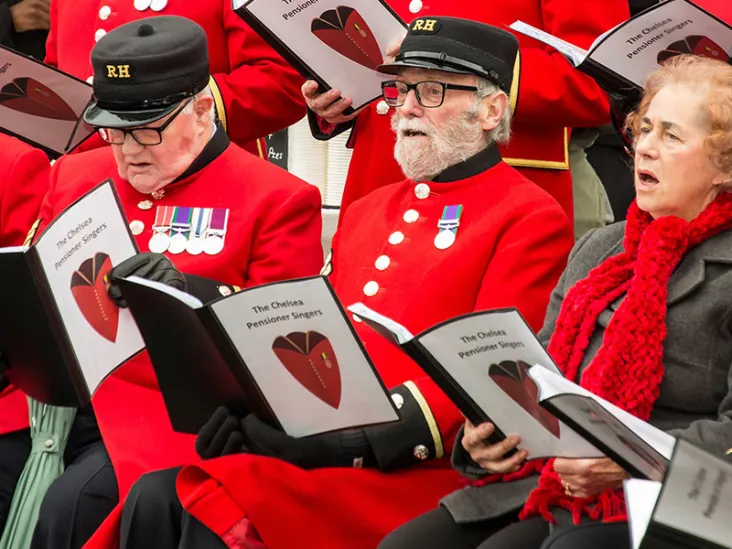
477,236
196,204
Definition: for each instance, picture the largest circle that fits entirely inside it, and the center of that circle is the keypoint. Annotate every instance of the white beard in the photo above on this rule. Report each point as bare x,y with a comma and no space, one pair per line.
455,142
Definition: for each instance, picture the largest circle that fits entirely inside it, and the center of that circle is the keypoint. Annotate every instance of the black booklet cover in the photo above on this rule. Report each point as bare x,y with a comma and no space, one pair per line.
42,105
335,44
59,331
284,351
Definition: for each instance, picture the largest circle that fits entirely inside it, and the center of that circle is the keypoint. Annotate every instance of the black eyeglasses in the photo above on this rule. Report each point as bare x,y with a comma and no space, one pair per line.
430,94
147,137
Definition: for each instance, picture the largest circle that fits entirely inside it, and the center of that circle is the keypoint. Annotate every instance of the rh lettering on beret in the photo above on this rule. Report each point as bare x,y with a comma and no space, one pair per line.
426,26
118,71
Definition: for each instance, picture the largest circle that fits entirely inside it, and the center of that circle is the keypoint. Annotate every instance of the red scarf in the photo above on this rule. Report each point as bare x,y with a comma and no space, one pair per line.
628,368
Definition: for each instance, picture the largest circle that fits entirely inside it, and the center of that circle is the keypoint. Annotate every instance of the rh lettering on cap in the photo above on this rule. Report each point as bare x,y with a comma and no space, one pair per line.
118,71
427,26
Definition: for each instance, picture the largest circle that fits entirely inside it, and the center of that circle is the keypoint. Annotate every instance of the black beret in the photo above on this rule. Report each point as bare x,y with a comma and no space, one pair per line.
461,46
144,69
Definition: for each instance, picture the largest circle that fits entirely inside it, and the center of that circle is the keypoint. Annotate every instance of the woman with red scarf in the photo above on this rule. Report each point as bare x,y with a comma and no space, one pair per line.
640,317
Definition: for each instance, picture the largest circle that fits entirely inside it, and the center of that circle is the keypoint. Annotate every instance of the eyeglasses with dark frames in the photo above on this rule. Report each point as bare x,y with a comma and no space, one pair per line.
430,93
147,137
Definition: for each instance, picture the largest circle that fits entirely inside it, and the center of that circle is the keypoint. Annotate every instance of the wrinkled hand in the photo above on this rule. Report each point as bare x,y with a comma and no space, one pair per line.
28,15
583,478
327,105
220,436
490,456
392,50
154,267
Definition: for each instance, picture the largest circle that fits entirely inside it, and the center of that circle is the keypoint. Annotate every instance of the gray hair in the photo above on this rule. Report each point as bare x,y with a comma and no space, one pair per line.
501,133
205,92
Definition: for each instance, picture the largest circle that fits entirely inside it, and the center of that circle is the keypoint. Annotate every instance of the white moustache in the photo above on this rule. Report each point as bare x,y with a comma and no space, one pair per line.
411,124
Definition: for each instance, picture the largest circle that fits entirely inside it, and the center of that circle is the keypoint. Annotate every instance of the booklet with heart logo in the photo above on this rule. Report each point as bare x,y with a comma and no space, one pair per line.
284,351
493,367
59,330
41,104
339,44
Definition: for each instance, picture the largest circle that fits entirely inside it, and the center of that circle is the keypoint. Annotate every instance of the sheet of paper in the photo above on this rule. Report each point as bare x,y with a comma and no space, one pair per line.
343,44
697,495
77,251
640,499
387,327
192,301
575,54
39,103
303,354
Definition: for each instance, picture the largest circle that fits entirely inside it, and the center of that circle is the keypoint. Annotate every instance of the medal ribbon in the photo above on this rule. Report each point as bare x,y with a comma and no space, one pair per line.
182,219
219,221
163,218
450,219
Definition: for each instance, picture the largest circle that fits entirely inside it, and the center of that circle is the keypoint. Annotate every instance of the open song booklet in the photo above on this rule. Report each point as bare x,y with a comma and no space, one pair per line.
690,509
340,46
59,331
284,351
41,104
492,366
621,59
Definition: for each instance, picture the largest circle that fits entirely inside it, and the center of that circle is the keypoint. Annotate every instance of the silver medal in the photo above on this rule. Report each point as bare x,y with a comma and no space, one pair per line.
177,243
444,240
213,245
195,246
159,243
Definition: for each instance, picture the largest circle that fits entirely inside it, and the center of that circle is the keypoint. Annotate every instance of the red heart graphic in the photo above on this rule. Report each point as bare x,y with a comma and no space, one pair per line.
90,292
514,380
309,357
31,97
696,45
344,30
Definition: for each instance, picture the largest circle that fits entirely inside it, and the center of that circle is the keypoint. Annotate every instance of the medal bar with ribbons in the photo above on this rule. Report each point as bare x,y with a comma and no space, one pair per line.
201,219
216,232
448,226
163,221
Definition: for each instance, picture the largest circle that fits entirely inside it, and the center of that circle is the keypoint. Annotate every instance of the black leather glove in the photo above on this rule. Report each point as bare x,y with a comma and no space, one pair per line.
340,449
155,267
3,378
220,436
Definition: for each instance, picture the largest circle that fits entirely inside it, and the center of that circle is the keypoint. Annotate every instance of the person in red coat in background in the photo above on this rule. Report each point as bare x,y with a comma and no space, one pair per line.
192,198
255,91
720,8
463,232
554,97
23,182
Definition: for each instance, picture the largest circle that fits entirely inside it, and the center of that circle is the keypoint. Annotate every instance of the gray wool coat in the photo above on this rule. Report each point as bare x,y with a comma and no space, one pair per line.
696,392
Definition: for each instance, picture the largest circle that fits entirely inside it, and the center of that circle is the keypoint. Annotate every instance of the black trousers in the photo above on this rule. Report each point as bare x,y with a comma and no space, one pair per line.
152,511
80,499
437,530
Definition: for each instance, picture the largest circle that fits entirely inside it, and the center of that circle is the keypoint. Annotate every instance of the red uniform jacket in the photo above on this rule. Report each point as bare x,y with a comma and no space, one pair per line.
720,8
511,248
273,234
23,182
256,91
552,96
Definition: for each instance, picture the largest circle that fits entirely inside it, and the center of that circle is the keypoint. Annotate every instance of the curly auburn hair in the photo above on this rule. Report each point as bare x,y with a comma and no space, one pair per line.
712,80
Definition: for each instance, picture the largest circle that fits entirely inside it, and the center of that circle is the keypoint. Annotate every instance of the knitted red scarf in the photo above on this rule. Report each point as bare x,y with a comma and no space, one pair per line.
628,368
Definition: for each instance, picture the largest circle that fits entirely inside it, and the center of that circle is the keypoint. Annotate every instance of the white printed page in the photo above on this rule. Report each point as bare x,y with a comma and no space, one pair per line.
77,251
387,327
675,27
300,350
343,44
470,350
640,500
575,54
697,495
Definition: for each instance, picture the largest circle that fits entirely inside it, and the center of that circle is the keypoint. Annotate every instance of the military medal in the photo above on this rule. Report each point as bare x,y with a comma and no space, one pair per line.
160,240
201,218
448,226
216,231
181,226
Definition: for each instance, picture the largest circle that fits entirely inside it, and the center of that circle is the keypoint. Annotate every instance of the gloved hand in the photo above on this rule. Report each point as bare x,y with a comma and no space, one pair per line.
220,436
155,267
340,449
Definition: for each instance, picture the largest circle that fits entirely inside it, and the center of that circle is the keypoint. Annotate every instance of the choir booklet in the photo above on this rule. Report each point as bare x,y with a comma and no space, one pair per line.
483,362
621,59
41,104
285,351
59,330
335,44
690,509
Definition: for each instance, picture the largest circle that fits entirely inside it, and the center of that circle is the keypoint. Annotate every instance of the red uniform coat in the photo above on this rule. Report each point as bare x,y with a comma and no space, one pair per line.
23,182
273,234
511,248
256,91
720,8
552,97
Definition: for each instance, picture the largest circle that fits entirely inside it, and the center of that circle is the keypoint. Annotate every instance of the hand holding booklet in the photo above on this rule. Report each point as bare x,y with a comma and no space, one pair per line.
482,362
59,331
